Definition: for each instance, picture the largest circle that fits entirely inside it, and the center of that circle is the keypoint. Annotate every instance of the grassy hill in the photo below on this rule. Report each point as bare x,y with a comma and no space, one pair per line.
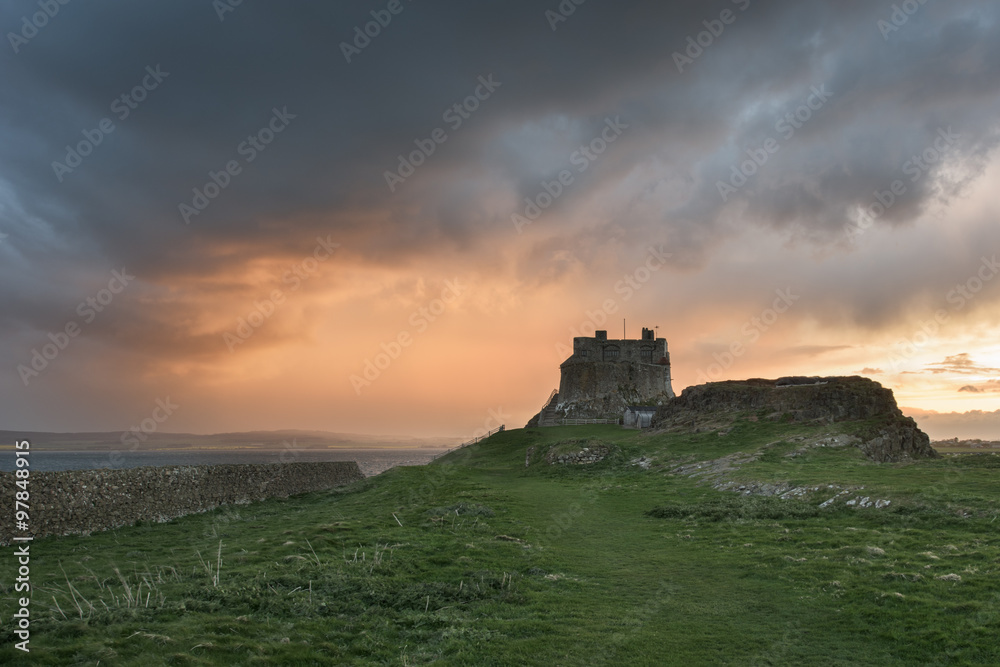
492,555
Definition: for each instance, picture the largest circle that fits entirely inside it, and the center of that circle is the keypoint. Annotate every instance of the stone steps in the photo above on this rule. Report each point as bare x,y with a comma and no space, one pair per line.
549,416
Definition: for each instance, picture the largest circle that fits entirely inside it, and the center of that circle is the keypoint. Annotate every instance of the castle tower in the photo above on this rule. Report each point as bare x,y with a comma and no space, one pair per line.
602,377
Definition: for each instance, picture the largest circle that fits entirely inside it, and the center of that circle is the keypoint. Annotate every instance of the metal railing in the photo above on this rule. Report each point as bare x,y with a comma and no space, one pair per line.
549,399
482,437
502,427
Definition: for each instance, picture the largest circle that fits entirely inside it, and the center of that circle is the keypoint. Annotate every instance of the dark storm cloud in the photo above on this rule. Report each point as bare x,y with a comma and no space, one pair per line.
888,103
224,78
324,173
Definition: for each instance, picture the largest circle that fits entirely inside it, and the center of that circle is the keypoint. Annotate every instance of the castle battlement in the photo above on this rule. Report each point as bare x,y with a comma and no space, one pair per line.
646,350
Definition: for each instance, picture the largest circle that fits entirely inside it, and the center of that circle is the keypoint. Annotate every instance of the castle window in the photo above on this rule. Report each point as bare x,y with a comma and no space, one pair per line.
646,355
610,353
581,353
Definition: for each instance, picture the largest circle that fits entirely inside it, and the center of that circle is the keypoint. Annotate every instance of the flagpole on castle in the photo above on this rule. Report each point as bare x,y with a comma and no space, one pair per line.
623,329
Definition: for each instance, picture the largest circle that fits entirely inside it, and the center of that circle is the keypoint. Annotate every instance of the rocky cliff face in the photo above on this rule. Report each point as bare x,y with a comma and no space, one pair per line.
896,439
891,436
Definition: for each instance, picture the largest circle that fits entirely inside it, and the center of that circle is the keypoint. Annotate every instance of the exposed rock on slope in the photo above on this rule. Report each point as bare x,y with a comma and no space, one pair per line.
890,437
896,439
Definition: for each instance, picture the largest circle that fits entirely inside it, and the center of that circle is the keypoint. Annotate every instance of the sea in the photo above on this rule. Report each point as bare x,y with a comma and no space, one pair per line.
371,461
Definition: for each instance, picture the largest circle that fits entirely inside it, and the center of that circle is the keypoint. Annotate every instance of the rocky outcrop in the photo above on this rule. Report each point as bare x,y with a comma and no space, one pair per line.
896,439
84,501
831,398
591,454
890,437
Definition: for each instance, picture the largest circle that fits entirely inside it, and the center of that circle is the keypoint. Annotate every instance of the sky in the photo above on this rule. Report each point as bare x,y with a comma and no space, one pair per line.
392,217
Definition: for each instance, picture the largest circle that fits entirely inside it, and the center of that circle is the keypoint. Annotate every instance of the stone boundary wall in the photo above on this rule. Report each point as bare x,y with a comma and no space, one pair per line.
84,501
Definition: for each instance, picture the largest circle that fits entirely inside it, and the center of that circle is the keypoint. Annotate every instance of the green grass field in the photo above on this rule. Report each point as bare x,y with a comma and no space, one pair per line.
480,560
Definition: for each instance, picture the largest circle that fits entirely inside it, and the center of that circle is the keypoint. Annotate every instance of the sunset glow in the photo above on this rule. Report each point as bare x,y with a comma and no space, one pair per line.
315,292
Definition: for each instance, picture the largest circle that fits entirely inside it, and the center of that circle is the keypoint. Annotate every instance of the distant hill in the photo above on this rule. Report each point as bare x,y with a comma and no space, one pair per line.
265,440
974,424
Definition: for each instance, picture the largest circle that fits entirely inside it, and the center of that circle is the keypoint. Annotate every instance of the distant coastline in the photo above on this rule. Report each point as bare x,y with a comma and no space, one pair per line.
233,448
284,439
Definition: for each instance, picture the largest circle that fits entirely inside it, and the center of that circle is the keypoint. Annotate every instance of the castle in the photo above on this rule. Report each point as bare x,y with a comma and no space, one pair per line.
603,377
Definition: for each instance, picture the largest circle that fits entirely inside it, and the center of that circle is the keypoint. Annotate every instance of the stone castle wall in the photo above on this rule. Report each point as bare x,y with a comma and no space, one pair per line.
602,377
85,501
605,388
599,348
